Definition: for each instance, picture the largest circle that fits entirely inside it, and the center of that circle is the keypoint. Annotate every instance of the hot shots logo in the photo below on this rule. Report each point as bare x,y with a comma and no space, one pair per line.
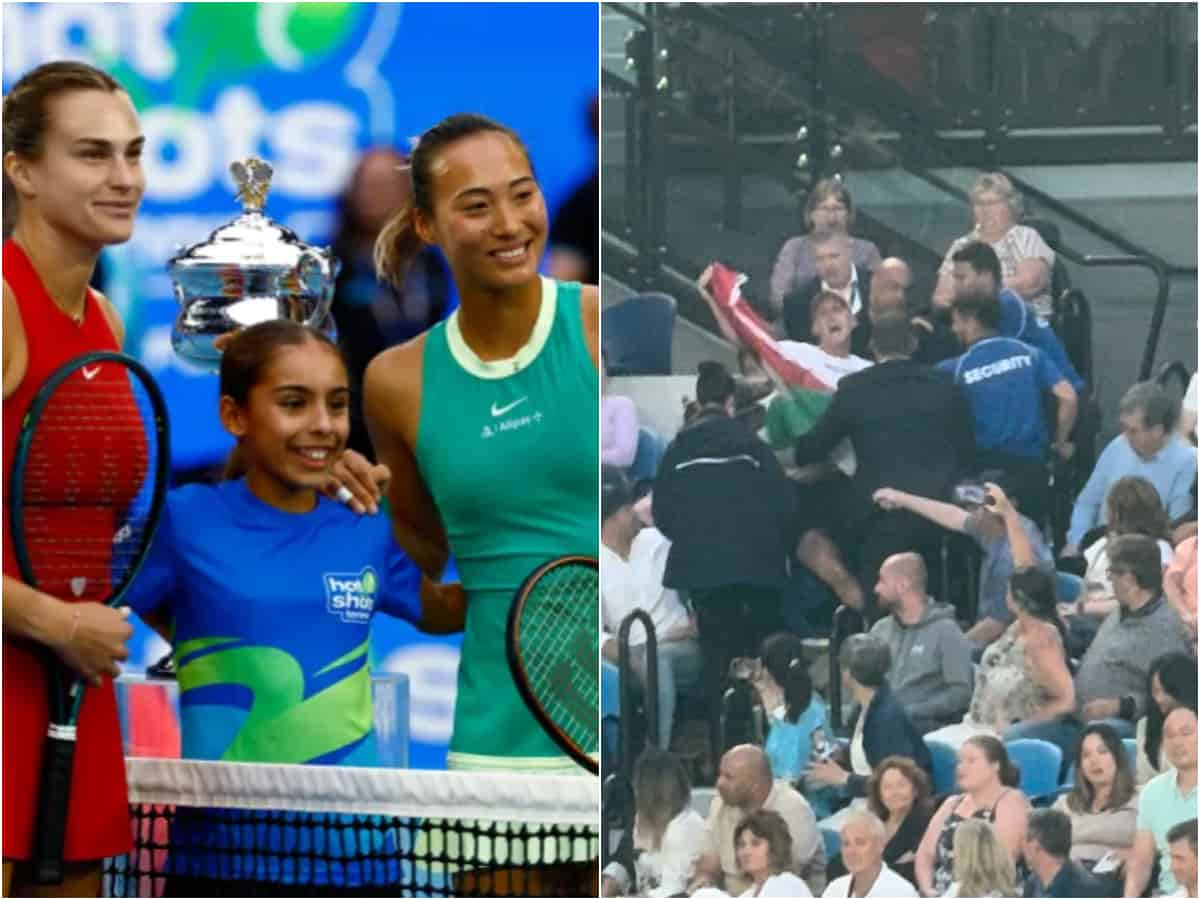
351,595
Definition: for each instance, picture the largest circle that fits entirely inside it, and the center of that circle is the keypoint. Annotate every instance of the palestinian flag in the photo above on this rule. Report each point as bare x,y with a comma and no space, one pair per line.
802,395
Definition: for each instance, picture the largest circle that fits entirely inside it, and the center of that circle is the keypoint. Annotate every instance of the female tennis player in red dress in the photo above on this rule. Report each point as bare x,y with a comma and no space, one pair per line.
72,184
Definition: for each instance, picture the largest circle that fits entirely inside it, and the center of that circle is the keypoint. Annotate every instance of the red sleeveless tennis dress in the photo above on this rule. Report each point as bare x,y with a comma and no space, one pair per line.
98,822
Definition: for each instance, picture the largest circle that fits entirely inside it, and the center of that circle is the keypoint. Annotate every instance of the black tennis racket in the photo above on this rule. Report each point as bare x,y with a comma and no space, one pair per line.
86,491
553,651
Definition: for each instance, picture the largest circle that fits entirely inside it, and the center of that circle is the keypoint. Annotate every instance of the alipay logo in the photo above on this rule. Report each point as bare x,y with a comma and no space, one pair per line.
351,595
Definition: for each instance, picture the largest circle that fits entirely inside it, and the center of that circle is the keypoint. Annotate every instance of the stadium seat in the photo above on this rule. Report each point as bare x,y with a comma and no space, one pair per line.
945,764
833,843
1068,586
637,335
1040,762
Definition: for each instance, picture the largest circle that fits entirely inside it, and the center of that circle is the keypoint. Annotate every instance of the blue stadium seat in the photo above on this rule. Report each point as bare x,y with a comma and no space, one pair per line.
833,843
945,764
636,335
1040,762
1068,586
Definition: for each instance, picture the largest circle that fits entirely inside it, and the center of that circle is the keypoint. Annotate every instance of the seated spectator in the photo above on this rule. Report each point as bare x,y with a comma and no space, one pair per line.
1166,800
880,727
794,711
668,834
1179,585
1102,804
837,274
632,560
1026,261
1187,415
1172,683
744,787
931,671
988,781
1133,508
723,501
863,837
1006,541
829,210
1182,841
618,426
1147,446
899,794
1113,677
982,866
1006,381
890,281
764,849
910,428
1047,852
1023,687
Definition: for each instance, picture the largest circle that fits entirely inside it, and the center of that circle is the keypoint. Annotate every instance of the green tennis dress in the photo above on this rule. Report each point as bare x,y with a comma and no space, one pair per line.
509,450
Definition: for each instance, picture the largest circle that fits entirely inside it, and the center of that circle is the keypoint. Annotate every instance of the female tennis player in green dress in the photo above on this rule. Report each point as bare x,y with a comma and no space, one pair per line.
488,422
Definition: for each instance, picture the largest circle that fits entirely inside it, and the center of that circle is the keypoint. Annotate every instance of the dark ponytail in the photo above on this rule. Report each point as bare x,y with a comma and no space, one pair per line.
398,242
783,657
995,751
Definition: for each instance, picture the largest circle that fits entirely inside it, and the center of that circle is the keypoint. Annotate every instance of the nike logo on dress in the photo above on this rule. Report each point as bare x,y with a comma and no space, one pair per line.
501,410
89,374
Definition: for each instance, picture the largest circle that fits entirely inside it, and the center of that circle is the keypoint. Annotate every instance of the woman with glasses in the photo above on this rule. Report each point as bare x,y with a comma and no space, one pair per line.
829,211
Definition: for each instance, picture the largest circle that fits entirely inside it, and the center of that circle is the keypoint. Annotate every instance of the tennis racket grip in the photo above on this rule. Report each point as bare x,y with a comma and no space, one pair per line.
51,837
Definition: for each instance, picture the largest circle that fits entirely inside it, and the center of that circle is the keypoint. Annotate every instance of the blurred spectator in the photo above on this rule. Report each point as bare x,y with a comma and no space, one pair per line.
1047,851
1133,507
1179,584
799,715
370,314
1102,803
668,834
745,786
829,210
1172,683
723,501
890,281
836,273
1182,841
1147,446
763,847
1166,800
1023,683
988,781
575,232
1026,261
863,837
1005,380
1187,415
909,427
931,672
983,867
632,560
880,728
1007,541
899,794
618,426
1113,677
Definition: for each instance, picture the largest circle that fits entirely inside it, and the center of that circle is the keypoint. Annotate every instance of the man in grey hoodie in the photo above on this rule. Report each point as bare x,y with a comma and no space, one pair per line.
931,671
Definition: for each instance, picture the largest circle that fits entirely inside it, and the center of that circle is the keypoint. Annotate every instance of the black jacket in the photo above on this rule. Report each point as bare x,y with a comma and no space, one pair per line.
1072,880
888,731
797,318
723,501
910,426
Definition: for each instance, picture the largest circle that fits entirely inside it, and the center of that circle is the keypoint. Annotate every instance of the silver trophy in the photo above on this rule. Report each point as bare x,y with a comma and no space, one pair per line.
249,271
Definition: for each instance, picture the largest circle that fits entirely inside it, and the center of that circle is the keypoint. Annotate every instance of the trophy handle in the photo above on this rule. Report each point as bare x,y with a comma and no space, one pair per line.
319,267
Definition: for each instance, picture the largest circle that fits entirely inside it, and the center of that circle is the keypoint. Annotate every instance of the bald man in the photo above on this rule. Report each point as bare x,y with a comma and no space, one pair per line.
889,287
744,786
931,672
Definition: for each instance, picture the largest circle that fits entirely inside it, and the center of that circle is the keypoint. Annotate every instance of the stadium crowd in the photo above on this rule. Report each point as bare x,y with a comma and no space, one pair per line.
1020,692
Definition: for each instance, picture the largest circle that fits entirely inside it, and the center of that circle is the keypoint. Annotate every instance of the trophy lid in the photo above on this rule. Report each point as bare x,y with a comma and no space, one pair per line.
252,240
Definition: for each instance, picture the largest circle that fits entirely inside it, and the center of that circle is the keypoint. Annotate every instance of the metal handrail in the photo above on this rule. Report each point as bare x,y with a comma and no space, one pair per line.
838,634
1158,267
629,682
